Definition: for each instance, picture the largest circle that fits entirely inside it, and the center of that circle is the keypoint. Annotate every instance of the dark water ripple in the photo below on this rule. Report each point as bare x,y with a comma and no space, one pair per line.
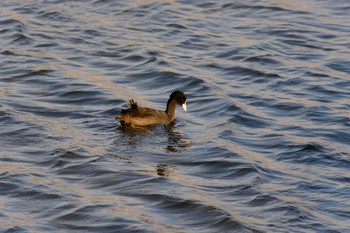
264,146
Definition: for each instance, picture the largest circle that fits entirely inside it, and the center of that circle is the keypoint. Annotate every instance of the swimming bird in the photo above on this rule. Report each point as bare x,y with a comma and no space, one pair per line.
140,116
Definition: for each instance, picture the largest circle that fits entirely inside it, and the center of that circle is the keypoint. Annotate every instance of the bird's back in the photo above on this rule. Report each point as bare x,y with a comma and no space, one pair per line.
140,116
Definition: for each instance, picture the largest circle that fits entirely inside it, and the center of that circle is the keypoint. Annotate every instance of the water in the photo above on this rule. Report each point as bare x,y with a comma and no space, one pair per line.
263,147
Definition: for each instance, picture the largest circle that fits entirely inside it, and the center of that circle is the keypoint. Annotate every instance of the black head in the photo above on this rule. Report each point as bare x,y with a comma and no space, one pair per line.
180,98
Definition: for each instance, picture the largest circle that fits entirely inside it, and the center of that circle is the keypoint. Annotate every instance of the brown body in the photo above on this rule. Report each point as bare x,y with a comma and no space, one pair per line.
139,116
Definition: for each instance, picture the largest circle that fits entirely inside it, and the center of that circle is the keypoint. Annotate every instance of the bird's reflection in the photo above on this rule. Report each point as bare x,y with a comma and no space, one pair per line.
137,135
135,131
164,170
175,141
144,138
130,138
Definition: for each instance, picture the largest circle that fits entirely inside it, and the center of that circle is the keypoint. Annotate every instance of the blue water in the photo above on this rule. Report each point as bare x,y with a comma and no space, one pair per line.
263,147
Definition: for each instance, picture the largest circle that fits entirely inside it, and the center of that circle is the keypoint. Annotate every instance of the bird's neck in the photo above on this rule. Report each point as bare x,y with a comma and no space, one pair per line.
170,109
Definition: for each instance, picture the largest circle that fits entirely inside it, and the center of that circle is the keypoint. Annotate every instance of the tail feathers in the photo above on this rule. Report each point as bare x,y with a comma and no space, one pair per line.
132,104
126,112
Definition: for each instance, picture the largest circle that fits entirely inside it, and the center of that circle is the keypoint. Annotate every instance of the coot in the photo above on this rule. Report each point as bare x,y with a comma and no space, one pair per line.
139,116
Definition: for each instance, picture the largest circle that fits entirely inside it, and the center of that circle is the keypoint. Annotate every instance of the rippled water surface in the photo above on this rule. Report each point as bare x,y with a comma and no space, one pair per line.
263,147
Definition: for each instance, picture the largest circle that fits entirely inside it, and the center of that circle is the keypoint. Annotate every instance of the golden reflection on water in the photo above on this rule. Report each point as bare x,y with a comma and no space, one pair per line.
60,128
190,187
15,219
267,162
19,218
146,2
119,204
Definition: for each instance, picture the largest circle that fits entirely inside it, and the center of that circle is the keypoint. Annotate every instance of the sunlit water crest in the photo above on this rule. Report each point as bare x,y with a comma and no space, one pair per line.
263,147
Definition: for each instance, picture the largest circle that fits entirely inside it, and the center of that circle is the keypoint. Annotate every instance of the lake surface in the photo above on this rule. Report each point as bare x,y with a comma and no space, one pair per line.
263,147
